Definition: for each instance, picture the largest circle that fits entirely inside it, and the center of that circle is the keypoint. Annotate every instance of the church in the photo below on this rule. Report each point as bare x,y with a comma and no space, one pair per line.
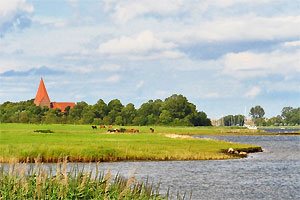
42,99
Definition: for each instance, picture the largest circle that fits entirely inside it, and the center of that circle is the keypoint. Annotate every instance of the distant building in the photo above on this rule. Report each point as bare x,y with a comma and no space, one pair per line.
217,122
42,99
249,121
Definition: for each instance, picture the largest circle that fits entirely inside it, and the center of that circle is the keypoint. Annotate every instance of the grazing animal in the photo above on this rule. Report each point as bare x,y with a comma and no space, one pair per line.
102,126
122,130
94,127
110,130
132,130
152,130
110,126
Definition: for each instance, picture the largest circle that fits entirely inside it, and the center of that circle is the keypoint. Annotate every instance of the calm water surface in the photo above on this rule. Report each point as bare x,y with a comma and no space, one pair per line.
272,174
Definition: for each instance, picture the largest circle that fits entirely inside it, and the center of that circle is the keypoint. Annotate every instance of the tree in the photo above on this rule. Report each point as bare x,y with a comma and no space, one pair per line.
165,117
234,120
100,109
257,112
24,117
291,116
114,107
119,120
88,115
50,117
107,120
178,106
175,110
276,121
75,114
149,112
128,113
200,119
286,111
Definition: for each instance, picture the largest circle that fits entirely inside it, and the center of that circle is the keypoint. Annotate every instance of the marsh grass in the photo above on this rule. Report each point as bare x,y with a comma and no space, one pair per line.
23,181
79,143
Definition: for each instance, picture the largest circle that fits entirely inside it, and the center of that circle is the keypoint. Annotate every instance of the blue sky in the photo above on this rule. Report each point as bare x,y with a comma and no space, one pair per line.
225,56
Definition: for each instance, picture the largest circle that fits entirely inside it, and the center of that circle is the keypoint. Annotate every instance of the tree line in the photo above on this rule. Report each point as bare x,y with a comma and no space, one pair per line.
289,117
175,110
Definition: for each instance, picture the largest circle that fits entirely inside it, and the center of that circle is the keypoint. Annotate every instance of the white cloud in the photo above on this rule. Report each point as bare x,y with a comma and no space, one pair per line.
144,46
51,22
292,44
253,92
228,29
126,10
110,67
113,79
249,64
142,43
9,7
13,14
169,54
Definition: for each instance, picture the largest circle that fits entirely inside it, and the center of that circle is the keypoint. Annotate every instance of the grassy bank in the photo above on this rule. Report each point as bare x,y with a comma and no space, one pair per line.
80,143
19,182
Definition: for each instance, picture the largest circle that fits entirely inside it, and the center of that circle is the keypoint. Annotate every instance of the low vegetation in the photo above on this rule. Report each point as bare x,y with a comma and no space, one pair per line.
43,131
81,143
22,182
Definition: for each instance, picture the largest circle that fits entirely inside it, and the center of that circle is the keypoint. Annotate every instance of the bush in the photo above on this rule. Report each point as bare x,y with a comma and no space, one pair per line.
43,131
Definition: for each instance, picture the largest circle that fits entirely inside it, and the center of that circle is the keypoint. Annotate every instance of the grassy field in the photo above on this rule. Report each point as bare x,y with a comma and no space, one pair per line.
80,143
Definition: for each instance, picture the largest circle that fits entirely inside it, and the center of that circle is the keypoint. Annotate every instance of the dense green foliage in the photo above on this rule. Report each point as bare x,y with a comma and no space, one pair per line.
19,182
257,112
289,117
233,120
175,110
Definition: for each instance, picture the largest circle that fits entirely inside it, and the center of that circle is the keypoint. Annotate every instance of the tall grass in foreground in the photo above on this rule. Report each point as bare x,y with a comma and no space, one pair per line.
36,182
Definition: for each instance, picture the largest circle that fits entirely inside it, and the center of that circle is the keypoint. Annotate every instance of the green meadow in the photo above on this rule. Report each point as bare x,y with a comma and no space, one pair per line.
80,143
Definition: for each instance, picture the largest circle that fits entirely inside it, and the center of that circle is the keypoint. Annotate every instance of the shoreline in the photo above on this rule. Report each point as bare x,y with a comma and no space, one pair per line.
80,143
247,150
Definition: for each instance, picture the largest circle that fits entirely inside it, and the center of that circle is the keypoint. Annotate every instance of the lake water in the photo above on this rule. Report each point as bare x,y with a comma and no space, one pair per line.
281,130
272,174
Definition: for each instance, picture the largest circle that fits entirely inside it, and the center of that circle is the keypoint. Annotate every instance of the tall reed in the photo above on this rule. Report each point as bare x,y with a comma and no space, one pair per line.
28,181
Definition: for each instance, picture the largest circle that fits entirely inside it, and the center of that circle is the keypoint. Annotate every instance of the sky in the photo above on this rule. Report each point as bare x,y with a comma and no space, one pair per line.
225,56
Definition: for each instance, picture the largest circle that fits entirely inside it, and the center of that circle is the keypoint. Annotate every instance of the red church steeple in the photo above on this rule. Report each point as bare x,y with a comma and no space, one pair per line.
42,98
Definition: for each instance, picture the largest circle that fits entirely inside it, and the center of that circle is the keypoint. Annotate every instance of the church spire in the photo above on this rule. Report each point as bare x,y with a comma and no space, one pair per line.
42,98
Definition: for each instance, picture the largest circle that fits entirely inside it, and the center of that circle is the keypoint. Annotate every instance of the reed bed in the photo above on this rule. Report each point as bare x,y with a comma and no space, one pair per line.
24,181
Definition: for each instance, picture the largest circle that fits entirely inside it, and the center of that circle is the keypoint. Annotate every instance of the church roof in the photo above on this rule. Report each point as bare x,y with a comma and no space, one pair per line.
41,95
62,105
